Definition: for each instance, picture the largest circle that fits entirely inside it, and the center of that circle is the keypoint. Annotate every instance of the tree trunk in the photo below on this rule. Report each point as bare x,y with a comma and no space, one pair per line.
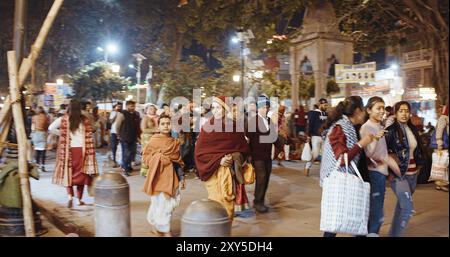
50,57
25,66
177,47
20,10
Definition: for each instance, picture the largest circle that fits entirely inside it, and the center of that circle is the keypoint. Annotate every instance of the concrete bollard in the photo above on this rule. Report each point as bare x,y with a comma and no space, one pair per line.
112,205
205,218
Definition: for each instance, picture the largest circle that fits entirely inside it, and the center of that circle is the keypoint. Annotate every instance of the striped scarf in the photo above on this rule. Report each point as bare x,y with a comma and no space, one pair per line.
63,169
329,160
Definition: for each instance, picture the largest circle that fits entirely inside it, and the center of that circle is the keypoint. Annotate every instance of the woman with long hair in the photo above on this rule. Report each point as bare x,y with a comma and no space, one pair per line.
75,158
405,147
341,138
378,162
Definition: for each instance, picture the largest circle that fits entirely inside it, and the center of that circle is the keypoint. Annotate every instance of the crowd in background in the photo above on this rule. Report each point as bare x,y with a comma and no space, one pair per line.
384,142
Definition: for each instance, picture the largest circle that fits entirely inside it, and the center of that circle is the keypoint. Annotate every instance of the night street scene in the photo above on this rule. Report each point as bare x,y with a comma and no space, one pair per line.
242,119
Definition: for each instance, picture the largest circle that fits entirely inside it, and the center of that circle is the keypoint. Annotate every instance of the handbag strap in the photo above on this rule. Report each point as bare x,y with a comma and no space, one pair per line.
338,163
355,168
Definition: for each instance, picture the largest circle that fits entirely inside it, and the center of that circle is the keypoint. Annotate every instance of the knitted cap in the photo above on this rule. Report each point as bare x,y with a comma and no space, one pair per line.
263,101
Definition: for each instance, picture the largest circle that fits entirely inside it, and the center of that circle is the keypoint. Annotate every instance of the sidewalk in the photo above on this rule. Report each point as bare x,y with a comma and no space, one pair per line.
293,198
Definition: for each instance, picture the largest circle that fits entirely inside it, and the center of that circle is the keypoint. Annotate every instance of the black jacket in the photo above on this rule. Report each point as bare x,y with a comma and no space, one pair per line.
261,150
129,130
400,146
316,119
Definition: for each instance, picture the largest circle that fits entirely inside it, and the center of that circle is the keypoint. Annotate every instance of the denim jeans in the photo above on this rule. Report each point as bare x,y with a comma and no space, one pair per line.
128,152
403,189
114,143
377,192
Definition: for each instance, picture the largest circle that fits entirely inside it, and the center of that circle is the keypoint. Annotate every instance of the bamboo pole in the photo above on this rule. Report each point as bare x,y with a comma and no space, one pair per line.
5,129
26,64
22,142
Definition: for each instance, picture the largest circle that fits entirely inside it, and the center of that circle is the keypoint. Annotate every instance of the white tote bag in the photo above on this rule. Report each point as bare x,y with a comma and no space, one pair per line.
345,202
306,153
439,167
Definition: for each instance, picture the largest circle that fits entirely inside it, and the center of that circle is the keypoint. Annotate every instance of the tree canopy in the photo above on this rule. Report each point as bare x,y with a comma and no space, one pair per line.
97,81
414,23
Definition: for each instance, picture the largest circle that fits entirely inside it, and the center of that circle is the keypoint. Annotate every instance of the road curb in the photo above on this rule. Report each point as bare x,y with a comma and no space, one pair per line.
63,224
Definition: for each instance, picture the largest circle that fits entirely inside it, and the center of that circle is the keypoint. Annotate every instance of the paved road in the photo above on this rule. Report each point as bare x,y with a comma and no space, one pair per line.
293,198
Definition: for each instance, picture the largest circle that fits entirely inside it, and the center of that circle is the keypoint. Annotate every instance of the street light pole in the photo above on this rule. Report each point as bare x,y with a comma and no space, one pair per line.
139,59
242,69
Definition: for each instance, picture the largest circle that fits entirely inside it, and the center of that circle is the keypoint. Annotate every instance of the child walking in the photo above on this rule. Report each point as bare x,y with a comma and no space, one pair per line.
162,156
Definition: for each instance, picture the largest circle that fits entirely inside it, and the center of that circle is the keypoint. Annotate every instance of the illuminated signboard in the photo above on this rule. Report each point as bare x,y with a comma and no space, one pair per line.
357,73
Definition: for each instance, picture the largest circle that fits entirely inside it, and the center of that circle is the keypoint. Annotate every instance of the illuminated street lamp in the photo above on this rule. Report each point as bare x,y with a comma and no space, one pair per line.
235,40
394,67
236,78
59,82
115,68
111,48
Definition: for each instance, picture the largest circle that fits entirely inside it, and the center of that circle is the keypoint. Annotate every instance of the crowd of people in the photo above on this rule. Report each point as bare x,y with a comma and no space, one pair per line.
386,143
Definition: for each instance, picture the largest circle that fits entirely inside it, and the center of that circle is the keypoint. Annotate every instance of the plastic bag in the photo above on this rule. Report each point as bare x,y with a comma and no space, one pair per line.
306,154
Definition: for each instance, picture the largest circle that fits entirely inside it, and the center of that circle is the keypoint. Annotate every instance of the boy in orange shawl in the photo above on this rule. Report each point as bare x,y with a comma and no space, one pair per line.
162,156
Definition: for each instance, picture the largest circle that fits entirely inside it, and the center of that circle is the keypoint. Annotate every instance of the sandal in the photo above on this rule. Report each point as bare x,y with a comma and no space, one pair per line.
153,230
70,204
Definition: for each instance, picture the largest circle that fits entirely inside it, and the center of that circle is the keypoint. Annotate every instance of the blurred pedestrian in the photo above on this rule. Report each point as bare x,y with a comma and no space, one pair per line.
341,138
149,126
114,138
316,119
39,128
75,161
442,128
378,162
405,146
128,126
213,155
261,140
300,120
